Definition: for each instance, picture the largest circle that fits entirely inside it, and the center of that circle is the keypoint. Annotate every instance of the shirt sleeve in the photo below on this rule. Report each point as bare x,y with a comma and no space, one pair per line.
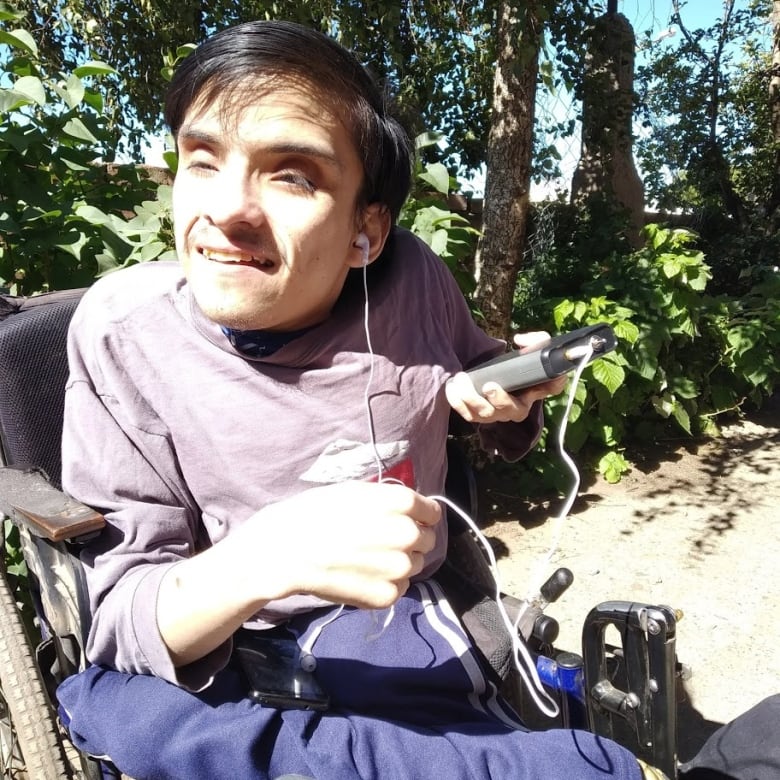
119,459
512,441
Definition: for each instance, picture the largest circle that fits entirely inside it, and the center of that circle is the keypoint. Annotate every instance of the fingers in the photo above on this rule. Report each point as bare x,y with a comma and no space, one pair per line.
357,543
494,404
405,535
527,342
491,403
465,399
508,407
424,511
545,389
357,499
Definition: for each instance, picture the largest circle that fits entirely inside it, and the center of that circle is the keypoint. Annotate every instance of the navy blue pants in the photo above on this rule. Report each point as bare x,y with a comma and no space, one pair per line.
408,700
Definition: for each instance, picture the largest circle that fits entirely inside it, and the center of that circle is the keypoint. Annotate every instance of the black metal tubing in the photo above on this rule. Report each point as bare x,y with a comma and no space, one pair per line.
647,703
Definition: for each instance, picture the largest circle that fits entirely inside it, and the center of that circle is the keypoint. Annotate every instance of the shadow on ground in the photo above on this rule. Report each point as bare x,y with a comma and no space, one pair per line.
693,728
667,479
693,525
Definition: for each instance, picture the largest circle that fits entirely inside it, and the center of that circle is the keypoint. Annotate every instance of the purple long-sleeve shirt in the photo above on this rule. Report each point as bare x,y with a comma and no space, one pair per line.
178,438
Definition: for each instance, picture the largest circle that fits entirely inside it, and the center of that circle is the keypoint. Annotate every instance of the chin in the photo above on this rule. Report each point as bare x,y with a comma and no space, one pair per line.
237,320
233,314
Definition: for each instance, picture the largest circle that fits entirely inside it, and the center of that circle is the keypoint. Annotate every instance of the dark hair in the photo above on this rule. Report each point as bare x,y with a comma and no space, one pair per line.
269,49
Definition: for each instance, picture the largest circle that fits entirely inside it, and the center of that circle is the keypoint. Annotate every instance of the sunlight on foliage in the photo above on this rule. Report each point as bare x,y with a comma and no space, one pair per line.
66,213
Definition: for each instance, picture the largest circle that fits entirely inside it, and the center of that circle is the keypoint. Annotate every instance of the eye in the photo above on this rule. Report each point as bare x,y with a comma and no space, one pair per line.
199,164
297,178
198,156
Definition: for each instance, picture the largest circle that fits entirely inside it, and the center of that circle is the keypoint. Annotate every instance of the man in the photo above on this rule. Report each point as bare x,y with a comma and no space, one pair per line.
263,426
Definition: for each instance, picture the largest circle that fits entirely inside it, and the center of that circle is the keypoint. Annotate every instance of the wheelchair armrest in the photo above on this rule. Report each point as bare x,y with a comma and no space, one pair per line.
28,498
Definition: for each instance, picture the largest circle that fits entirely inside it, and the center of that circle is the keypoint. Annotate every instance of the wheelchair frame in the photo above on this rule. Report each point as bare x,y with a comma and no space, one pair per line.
641,713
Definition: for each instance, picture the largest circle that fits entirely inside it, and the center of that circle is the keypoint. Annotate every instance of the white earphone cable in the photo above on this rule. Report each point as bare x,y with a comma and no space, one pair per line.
523,661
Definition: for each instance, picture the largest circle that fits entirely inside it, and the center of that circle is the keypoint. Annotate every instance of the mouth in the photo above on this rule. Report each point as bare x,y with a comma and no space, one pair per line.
236,258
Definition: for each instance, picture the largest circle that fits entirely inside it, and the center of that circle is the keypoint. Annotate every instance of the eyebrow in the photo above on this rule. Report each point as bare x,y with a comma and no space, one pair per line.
189,133
283,147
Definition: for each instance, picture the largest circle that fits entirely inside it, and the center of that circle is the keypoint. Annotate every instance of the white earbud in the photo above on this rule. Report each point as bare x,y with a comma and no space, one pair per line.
361,242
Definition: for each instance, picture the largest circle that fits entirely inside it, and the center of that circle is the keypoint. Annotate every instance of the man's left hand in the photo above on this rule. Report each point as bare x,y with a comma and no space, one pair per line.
494,404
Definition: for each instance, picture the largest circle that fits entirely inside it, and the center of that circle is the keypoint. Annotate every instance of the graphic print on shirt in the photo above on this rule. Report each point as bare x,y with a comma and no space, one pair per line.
344,460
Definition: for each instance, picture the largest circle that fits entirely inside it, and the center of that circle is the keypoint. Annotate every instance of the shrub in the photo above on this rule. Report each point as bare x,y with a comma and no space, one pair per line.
683,359
427,214
66,215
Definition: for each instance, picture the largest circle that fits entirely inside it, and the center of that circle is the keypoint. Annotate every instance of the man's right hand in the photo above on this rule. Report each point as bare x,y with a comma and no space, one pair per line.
356,543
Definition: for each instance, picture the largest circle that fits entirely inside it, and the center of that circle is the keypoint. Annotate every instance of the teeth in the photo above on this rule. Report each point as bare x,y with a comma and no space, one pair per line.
228,257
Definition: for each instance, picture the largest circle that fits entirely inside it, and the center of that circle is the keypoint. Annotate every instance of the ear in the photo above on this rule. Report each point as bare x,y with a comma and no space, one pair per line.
369,239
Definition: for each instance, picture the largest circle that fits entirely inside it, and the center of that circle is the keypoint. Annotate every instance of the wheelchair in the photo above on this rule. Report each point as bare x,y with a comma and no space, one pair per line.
624,691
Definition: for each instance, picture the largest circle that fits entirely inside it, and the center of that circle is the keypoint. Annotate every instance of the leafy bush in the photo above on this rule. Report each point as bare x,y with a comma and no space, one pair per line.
683,357
66,215
16,571
427,214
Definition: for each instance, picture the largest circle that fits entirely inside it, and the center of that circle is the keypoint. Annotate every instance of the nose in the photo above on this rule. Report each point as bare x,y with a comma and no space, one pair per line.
234,199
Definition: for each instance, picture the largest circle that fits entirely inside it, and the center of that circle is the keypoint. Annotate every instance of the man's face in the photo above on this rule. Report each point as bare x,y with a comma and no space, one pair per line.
264,208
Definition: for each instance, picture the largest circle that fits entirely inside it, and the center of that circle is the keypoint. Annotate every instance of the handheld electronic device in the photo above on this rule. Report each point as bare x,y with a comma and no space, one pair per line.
277,673
517,370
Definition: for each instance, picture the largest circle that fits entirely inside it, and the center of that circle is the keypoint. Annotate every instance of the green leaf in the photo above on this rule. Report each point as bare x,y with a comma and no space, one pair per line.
73,160
31,87
8,224
577,434
699,282
94,100
687,326
7,15
684,387
664,405
575,413
741,339
626,330
19,39
438,242
427,139
185,50
437,176
74,91
612,466
561,312
78,240
671,267
172,161
11,100
152,250
608,374
658,236
683,420
106,262
93,215
608,435
75,128
757,376
93,68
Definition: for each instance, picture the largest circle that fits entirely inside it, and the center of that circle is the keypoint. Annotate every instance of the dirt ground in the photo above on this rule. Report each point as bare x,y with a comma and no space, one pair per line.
695,527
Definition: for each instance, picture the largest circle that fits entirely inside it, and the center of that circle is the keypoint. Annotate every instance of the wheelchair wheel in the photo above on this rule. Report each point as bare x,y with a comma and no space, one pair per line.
30,746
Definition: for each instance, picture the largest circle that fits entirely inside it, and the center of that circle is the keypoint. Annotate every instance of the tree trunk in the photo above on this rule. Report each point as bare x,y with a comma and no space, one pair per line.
508,178
606,171
774,106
